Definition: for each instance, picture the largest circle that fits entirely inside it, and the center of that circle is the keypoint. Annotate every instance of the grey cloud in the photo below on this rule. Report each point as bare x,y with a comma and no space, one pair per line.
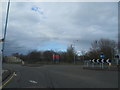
64,22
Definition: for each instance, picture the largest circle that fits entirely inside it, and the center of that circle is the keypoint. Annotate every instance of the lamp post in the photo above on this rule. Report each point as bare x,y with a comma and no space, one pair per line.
74,50
6,23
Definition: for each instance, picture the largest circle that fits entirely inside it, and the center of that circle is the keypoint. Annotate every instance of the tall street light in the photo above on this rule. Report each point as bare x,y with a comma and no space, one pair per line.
74,50
6,23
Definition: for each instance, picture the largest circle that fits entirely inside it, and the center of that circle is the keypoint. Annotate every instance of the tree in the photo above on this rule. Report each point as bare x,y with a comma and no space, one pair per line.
63,56
70,54
105,46
48,55
16,55
33,56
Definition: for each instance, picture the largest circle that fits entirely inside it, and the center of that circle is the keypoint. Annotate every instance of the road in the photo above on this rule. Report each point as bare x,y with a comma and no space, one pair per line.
60,76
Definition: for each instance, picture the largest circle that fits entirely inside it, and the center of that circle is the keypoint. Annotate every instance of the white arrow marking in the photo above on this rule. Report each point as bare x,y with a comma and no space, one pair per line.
32,81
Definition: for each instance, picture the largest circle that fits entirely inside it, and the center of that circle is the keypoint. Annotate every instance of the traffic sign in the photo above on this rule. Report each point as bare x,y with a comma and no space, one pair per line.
93,60
102,60
102,55
108,61
97,60
116,56
56,57
90,60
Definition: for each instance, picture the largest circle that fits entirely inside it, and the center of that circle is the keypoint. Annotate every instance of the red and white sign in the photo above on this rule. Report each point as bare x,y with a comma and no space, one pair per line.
56,56
53,56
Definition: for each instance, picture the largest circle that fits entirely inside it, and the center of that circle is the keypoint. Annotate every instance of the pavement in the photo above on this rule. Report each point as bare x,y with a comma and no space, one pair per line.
105,68
60,76
5,74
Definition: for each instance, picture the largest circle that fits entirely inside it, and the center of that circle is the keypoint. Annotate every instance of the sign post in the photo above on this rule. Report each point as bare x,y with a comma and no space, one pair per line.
57,57
87,63
109,62
93,63
102,56
53,57
90,63
117,59
102,63
97,62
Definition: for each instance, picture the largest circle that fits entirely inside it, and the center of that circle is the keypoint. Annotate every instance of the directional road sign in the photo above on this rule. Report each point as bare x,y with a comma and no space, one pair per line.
102,60
102,55
97,60
93,60
108,61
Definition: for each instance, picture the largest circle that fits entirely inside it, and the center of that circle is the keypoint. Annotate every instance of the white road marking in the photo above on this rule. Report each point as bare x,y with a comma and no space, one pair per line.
15,74
32,81
7,80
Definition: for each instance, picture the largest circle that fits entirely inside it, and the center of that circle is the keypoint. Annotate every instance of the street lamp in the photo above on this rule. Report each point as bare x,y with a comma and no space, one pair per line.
6,23
74,50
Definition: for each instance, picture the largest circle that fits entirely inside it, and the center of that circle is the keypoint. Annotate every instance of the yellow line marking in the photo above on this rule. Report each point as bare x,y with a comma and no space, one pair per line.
8,80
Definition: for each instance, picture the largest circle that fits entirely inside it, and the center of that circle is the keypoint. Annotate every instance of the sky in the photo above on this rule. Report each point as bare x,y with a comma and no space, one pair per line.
57,25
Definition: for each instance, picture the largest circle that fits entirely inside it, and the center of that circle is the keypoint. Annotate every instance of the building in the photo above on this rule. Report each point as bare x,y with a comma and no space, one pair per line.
12,59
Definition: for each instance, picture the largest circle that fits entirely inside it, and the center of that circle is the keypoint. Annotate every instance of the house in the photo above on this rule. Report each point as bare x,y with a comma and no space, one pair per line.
12,59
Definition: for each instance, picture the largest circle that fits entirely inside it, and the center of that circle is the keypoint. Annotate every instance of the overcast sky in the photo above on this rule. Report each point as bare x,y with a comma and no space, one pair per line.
46,26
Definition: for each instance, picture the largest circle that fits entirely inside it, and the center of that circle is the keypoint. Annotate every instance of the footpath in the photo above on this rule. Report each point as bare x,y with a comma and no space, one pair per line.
7,75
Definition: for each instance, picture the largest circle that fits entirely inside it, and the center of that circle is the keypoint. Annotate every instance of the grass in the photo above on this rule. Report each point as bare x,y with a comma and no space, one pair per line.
12,63
53,63
56,63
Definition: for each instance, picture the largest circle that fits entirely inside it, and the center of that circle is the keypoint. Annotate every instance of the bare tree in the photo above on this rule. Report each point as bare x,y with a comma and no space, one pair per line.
106,46
70,54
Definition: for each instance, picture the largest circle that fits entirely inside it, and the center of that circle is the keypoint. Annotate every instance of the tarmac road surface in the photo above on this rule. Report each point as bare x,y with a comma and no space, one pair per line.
60,76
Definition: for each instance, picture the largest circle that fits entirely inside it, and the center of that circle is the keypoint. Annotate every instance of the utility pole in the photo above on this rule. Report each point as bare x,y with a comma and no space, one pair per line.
112,53
6,23
74,58
74,52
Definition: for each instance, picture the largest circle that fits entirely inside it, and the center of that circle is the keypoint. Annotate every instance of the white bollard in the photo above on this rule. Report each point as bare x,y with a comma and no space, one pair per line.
109,65
87,64
23,63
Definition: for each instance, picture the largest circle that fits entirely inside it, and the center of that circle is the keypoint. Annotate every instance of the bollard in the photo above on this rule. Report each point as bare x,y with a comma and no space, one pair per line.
87,64
84,63
117,62
23,63
109,65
